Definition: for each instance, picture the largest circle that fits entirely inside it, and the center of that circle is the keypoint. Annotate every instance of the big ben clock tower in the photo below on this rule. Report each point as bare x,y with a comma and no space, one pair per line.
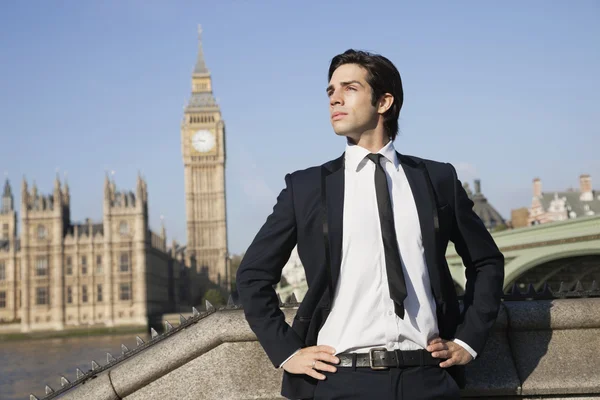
203,148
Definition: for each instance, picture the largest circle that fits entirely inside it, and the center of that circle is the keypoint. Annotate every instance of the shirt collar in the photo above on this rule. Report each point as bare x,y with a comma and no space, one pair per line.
356,155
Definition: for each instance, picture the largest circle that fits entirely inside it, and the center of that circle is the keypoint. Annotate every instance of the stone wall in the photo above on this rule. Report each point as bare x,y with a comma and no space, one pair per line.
538,349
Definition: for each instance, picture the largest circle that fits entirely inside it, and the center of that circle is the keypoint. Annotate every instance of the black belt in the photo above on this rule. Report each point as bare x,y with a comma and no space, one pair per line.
381,358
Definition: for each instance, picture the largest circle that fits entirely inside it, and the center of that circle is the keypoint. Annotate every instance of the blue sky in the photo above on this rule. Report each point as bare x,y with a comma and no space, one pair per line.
506,91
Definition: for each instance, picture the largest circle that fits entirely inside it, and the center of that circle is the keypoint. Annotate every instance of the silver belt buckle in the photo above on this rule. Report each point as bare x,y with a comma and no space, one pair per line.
373,350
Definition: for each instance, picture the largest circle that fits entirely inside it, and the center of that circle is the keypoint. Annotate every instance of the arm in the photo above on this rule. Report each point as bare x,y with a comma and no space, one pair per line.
484,271
260,270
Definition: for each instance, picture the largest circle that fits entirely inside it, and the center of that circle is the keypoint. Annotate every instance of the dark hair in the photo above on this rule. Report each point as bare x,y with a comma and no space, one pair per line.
382,76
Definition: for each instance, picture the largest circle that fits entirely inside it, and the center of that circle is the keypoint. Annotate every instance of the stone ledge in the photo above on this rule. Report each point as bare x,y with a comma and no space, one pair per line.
554,314
218,357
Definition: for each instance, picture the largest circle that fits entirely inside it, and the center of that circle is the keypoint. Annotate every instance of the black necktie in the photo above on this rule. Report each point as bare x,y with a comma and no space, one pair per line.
393,265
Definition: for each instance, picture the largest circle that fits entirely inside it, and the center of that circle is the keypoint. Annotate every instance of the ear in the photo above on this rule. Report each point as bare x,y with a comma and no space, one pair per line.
385,103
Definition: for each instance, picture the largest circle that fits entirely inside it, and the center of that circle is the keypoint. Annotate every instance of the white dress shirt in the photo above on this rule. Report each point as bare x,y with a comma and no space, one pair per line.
363,314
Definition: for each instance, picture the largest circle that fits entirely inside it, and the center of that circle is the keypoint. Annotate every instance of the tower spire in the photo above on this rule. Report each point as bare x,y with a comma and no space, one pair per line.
163,229
24,188
7,198
57,182
7,189
200,68
202,96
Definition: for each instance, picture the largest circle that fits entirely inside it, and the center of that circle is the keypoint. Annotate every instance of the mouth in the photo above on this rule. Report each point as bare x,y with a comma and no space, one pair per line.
338,115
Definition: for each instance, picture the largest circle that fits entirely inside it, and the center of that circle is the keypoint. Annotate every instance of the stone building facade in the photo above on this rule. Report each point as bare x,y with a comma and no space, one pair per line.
519,217
562,205
489,215
56,273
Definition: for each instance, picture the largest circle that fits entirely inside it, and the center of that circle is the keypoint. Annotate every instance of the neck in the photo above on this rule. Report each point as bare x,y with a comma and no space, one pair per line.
372,141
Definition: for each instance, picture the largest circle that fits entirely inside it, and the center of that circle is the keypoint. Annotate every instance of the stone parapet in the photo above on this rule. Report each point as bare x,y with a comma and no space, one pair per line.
537,349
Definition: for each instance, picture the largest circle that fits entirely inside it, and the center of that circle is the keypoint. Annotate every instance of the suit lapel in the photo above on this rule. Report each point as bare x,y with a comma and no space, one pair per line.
334,197
420,187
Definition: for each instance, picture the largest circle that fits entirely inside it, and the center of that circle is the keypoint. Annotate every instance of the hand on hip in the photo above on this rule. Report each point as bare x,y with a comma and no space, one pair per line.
310,360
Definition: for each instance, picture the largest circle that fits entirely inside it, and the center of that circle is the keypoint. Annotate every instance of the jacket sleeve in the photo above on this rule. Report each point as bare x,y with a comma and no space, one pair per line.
484,270
260,270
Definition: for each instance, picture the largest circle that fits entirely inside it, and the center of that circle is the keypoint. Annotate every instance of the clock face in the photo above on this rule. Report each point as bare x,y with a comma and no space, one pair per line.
203,141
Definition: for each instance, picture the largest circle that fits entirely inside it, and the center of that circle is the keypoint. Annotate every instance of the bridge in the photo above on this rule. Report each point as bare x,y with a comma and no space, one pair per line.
557,254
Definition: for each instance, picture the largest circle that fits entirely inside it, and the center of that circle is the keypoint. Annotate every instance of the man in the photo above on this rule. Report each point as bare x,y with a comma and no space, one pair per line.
381,317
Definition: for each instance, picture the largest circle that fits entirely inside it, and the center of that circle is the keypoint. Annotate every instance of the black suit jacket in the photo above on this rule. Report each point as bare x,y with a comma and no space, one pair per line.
309,213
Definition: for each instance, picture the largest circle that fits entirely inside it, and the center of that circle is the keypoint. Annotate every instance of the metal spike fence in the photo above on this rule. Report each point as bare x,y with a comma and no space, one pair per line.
126,353
566,290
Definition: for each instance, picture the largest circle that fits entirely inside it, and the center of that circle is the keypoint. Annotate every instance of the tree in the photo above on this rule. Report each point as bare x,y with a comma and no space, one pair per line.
500,228
234,264
283,282
214,297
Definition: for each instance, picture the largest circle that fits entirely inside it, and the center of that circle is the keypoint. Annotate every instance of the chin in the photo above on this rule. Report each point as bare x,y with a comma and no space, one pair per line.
341,130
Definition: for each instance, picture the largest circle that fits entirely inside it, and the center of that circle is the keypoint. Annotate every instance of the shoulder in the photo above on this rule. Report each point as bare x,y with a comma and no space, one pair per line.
304,177
437,169
442,175
312,175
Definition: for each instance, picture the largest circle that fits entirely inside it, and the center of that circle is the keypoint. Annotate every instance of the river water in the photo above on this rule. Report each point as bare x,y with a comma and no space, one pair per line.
27,366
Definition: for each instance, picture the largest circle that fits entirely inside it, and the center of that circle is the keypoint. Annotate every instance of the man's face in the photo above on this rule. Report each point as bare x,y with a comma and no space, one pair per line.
350,105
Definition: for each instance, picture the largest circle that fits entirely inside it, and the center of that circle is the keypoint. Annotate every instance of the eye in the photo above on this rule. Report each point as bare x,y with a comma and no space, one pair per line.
350,88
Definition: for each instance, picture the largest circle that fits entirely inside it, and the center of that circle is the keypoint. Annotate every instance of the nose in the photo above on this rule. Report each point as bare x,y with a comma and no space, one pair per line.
335,99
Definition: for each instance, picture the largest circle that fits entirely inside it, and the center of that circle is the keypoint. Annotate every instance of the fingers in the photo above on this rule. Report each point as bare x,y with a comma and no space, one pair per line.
448,363
321,366
326,357
312,360
438,347
436,340
322,348
321,353
314,373
457,358
442,354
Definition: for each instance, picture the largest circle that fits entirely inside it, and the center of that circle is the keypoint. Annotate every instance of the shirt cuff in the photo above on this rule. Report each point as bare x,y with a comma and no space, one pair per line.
465,346
287,359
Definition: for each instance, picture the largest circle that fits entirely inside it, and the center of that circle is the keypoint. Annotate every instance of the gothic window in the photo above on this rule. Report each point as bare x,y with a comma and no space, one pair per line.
41,296
42,233
2,271
69,266
123,228
98,264
124,262
83,265
69,295
125,291
84,294
2,299
41,266
99,293
4,231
